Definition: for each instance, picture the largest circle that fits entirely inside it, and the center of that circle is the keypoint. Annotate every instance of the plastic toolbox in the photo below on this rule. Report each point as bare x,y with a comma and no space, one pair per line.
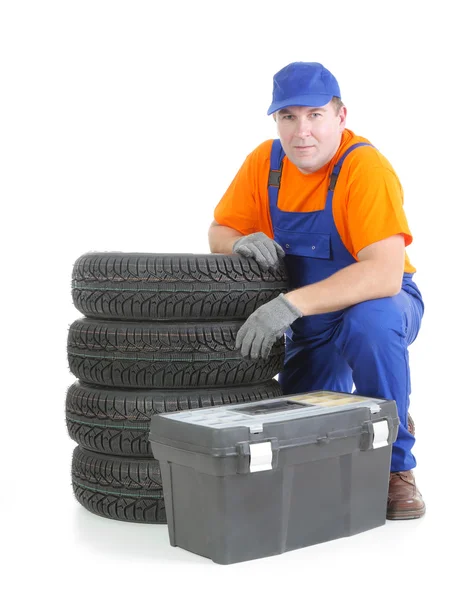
247,481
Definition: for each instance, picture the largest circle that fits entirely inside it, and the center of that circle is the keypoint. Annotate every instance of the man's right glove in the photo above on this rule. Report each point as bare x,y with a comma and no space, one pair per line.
259,246
264,326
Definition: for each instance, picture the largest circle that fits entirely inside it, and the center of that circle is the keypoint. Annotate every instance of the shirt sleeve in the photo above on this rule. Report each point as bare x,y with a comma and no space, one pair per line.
375,208
239,207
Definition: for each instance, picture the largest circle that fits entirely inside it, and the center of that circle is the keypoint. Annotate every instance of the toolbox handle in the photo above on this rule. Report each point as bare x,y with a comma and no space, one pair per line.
370,434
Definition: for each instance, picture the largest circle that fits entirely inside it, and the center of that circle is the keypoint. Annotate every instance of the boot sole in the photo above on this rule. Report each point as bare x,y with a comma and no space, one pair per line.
405,515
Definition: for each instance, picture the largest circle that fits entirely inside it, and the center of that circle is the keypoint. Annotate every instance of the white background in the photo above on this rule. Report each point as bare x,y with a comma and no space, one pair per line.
122,124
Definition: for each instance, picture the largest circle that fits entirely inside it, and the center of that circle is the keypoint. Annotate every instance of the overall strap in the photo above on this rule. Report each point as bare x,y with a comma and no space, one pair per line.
337,167
276,166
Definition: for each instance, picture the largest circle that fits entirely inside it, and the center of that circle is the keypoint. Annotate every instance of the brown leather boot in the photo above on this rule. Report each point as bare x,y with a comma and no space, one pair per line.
404,499
411,426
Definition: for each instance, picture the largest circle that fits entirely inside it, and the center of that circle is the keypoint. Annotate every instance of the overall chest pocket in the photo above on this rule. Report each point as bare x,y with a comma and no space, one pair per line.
310,245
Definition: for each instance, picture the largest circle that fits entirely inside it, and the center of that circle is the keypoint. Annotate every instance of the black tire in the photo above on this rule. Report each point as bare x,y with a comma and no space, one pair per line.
165,355
114,421
118,488
175,287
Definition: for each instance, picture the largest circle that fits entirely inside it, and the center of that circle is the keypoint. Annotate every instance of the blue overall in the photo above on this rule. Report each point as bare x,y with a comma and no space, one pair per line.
365,344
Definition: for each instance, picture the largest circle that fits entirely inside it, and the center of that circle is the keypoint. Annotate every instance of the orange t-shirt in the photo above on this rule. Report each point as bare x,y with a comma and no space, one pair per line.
367,201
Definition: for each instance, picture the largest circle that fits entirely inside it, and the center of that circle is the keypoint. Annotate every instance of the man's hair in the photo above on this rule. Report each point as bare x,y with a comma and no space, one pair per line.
337,103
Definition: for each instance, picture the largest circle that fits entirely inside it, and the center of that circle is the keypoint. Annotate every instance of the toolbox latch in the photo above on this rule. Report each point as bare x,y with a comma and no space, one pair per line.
380,434
257,456
260,457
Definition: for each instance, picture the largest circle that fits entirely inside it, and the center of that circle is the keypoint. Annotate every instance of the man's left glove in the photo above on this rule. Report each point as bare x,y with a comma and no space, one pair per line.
263,327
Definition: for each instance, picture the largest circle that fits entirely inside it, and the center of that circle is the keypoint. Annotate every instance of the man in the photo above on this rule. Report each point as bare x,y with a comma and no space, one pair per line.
330,204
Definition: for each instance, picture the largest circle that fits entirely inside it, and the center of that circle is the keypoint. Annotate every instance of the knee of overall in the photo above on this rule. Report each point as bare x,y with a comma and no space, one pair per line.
374,322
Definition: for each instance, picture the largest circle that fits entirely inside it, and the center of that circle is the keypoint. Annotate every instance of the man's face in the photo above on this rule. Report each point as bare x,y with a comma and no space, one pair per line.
310,136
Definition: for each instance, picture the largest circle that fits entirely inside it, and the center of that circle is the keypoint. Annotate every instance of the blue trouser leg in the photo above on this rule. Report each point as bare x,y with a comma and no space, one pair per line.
371,343
321,368
374,339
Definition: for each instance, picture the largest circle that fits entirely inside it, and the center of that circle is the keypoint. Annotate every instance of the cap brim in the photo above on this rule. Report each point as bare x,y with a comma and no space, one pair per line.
314,100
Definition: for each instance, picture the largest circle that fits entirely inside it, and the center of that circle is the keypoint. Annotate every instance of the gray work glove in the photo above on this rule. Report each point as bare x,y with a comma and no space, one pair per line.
268,323
259,246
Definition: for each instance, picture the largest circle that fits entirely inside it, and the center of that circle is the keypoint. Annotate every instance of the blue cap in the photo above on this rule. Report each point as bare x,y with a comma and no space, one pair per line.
303,84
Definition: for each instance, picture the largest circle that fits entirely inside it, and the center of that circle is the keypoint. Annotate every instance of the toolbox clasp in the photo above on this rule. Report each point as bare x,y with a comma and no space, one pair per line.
257,456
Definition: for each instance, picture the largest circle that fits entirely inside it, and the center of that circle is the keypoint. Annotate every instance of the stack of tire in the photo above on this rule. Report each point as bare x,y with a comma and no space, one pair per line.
158,335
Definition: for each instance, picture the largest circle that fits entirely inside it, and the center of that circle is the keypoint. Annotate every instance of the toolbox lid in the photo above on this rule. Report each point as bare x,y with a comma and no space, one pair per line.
295,418
286,408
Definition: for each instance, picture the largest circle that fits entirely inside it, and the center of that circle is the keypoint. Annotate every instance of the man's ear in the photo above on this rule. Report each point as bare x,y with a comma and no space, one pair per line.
343,117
